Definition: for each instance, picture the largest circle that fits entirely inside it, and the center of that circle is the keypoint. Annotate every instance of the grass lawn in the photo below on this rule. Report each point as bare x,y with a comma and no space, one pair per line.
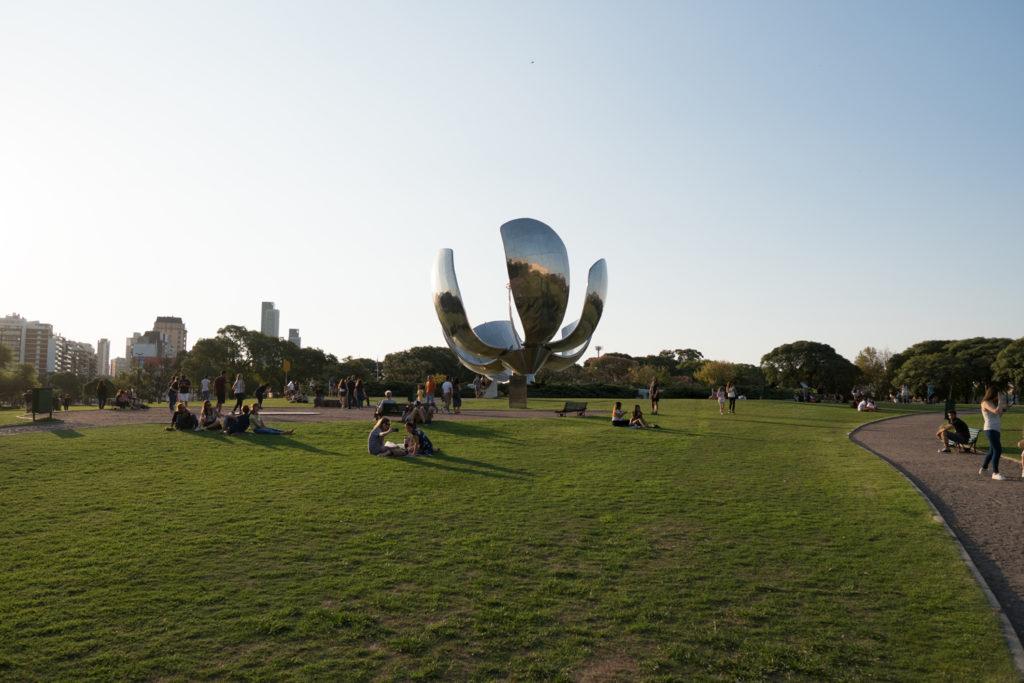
760,545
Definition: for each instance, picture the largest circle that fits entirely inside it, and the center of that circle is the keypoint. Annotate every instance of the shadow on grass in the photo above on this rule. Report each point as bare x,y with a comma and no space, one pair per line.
66,433
480,463
431,462
269,441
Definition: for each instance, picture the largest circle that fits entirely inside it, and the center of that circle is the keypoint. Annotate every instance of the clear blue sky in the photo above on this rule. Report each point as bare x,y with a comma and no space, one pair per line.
755,173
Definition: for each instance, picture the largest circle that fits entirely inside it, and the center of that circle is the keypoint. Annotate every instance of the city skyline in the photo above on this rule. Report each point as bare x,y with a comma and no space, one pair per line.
754,174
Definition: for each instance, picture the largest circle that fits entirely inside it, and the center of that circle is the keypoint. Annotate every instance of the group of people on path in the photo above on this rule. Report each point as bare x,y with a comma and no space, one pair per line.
956,433
180,391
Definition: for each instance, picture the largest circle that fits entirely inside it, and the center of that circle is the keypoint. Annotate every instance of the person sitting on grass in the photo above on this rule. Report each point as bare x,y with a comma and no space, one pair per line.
955,432
259,428
376,444
866,405
208,417
182,419
638,421
619,418
237,424
416,442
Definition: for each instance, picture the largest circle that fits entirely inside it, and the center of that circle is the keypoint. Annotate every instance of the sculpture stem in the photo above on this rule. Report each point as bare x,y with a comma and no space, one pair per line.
517,391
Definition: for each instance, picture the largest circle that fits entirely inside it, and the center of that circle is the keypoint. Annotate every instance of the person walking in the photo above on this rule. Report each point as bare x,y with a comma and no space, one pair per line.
720,395
350,392
654,393
204,388
360,393
238,389
101,393
456,396
992,414
730,393
446,394
220,388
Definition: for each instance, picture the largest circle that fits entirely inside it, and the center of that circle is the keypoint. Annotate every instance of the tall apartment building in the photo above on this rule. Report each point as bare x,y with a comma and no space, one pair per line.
119,365
147,348
270,319
103,357
293,336
31,341
176,333
77,358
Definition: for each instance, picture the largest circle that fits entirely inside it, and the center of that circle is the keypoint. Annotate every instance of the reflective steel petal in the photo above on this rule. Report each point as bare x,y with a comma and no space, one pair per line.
481,366
538,274
561,361
451,311
593,307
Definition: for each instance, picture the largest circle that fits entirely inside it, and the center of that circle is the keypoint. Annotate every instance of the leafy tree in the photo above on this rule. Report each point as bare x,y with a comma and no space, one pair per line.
610,368
1009,364
716,373
898,359
643,375
6,356
67,383
815,363
688,361
15,381
874,368
976,357
940,369
413,365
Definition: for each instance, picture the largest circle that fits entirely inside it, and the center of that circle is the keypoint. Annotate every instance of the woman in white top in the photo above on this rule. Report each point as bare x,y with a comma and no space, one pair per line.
992,413
720,394
238,389
619,418
730,392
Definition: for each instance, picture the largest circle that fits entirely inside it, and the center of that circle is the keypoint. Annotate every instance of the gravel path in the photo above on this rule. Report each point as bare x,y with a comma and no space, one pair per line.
986,515
86,419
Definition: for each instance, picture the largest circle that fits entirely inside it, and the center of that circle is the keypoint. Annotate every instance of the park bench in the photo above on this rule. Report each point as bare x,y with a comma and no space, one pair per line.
392,408
972,443
578,407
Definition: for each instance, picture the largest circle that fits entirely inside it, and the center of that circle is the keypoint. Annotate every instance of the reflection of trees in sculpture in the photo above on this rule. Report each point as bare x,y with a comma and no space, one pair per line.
538,270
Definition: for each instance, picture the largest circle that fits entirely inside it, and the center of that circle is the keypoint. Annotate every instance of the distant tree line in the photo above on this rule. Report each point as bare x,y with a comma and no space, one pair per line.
951,368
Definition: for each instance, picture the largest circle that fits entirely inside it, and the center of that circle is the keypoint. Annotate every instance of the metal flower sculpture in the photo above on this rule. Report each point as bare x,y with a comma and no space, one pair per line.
538,273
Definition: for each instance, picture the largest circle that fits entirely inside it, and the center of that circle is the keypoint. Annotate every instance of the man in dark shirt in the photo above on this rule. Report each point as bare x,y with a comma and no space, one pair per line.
220,388
955,432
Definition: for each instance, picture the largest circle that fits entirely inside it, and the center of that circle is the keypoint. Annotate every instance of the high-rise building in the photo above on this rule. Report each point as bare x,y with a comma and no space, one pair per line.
146,349
103,357
270,319
177,335
31,341
119,365
77,358
293,336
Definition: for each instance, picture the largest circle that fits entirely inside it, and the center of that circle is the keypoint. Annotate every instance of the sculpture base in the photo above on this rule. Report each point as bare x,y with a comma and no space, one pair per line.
517,391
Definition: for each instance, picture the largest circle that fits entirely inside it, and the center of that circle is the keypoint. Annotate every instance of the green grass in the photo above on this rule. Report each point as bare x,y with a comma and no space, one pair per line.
760,545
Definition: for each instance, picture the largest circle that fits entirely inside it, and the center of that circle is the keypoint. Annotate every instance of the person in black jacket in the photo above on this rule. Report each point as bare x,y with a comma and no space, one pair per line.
261,393
955,432
101,393
182,419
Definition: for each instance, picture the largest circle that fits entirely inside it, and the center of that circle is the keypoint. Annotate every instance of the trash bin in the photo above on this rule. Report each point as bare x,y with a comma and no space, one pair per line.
42,401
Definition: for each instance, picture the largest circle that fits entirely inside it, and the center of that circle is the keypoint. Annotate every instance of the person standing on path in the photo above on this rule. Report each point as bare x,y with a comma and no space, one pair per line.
238,389
204,388
992,413
446,394
101,393
220,388
730,392
456,396
654,393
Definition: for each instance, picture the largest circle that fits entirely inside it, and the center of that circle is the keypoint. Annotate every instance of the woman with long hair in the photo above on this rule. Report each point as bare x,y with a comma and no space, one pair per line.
992,414
238,389
375,443
619,418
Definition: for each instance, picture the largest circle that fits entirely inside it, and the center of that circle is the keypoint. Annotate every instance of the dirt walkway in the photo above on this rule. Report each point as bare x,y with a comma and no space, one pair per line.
987,515
85,419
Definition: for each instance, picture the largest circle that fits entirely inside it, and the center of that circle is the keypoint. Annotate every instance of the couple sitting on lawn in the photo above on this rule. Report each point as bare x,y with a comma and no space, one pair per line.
416,442
637,421
210,419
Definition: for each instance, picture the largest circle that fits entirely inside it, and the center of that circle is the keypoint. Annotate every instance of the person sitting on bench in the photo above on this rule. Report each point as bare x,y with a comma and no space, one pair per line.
619,418
387,405
955,432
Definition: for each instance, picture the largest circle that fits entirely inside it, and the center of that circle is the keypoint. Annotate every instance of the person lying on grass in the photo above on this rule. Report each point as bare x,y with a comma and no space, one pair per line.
416,442
638,421
257,423
182,420
376,444
955,432
237,424
619,418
